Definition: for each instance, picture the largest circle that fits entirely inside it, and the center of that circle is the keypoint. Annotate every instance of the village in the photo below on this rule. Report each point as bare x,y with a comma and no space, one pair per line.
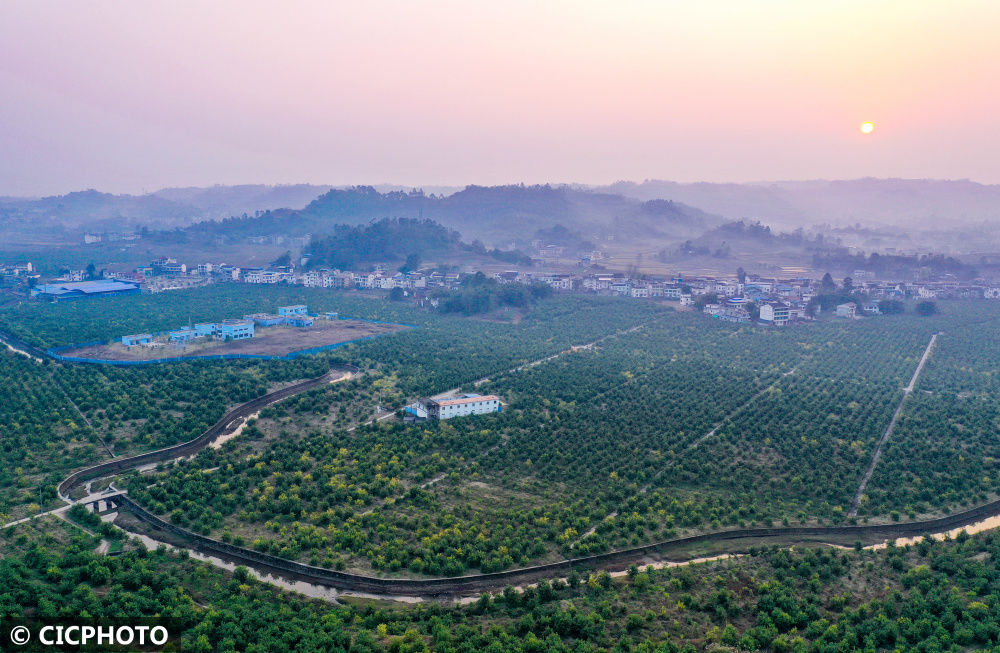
738,298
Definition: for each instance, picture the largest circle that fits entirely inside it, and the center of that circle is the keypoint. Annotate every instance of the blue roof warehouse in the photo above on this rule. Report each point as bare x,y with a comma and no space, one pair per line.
57,292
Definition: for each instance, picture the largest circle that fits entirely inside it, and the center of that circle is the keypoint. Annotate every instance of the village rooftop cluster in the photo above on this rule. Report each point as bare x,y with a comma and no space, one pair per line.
745,298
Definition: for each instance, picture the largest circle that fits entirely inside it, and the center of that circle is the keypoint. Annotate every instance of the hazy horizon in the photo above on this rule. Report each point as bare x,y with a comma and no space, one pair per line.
434,187
131,98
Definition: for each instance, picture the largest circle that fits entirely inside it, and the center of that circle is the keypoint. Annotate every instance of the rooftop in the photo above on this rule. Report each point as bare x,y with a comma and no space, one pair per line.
87,287
465,399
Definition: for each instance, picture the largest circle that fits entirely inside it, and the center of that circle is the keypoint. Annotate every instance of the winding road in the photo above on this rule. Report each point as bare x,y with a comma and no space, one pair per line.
462,585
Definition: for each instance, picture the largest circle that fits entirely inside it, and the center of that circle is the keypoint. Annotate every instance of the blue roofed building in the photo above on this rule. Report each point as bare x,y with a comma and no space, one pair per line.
57,292
183,335
234,330
265,319
137,339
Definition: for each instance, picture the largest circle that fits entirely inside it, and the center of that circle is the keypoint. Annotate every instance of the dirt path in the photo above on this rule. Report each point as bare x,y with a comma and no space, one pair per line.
573,348
58,512
20,351
80,413
687,449
119,465
676,550
889,429
478,382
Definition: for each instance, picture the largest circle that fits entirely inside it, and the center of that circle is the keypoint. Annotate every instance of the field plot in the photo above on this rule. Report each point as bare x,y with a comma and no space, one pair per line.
668,426
945,451
268,341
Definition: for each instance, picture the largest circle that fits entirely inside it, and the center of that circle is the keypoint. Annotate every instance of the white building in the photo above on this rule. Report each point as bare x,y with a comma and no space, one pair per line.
470,404
672,292
848,310
315,279
728,288
558,281
775,313
598,283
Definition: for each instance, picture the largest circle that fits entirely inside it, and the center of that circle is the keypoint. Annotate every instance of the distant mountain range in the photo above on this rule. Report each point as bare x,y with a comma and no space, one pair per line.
907,203
495,214
219,202
947,212
167,208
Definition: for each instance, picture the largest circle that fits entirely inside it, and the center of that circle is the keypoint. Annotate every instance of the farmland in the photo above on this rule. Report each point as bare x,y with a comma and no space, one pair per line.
928,596
660,425
674,428
92,411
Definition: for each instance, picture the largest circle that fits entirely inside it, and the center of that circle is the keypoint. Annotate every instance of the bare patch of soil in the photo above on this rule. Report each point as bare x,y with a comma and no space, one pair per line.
268,341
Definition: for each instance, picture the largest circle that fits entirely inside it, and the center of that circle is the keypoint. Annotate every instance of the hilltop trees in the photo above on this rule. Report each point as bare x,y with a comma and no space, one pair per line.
891,307
354,247
412,263
481,294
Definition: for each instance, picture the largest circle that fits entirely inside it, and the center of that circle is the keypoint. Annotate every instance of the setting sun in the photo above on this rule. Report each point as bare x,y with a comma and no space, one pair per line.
867,128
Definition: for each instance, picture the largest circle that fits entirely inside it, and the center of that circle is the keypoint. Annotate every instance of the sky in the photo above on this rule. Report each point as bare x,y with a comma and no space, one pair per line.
128,97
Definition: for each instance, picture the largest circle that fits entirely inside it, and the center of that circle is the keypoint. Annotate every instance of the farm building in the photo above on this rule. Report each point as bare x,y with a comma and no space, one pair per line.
137,339
234,330
470,404
265,319
297,309
183,335
57,292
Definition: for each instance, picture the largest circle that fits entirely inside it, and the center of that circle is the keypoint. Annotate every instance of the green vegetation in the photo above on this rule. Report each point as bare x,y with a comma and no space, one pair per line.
656,432
147,407
944,450
42,437
395,239
892,266
659,424
49,325
934,596
481,294
353,248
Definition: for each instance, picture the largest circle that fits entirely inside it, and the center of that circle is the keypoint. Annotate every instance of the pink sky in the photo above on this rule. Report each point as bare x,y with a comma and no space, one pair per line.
132,96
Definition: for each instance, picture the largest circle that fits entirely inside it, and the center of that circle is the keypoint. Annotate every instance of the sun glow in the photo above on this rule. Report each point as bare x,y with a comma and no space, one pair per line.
867,128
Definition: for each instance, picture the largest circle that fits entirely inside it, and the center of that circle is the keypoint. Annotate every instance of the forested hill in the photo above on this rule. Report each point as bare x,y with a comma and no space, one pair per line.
165,209
94,210
352,247
495,214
